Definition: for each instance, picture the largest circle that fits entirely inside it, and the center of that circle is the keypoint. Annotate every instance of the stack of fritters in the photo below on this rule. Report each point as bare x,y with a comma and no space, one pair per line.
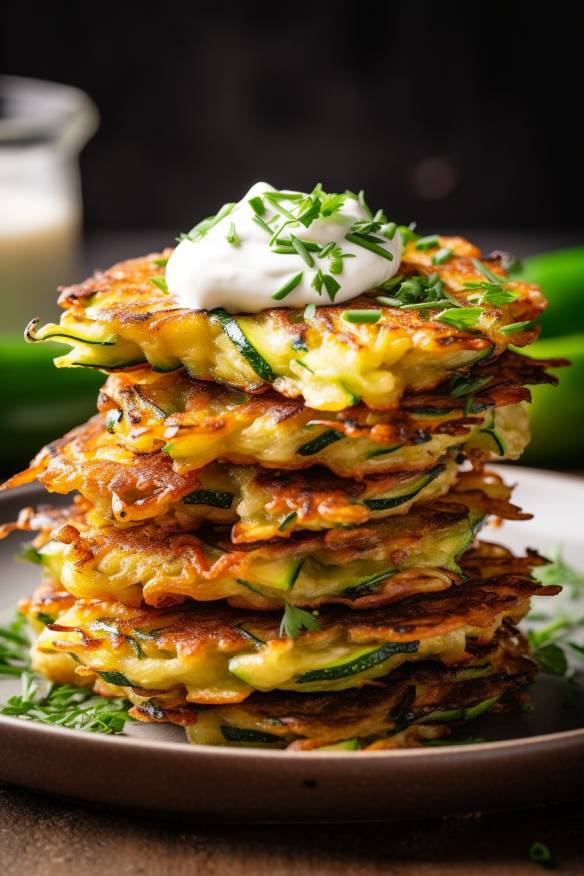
274,538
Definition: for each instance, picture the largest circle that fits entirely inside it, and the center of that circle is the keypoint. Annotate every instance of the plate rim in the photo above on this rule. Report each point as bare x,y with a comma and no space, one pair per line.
98,739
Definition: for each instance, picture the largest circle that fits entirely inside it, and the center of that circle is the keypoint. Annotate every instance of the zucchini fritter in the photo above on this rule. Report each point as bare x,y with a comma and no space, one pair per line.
127,489
199,422
417,703
359,567
210,654
120,319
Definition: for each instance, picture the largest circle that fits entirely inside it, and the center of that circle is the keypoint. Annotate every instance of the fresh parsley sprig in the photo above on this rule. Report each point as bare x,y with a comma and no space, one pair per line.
295,620
60,704
556,642
14,647
66,706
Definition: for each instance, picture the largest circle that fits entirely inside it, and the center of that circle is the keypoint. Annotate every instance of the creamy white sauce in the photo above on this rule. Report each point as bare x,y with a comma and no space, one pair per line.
209,271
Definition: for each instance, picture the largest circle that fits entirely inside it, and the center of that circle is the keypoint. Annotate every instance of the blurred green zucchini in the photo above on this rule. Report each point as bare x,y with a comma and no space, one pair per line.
37,402
561,277
557,413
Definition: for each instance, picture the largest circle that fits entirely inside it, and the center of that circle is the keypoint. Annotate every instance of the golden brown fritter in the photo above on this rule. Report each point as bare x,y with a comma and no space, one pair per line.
218,655
198,423
120,319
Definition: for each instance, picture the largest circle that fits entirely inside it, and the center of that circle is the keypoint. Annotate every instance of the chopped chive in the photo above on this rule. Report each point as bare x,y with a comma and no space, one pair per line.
443,255
259,221
232,236
390,230
425,305
460,317
309,312
360,316
389,302
326,250
391,283
257,205
310,245
285,196
160,282
367,244
363,204
331,286
273,199
288,287
429,242
486,272
408,233
302,251
205,225
517,326
161,263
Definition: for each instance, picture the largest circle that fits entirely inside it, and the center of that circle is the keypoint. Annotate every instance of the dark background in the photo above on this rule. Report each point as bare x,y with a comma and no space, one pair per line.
457,115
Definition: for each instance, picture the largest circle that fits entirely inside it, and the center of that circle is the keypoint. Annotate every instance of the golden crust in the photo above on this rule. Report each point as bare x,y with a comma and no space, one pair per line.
374,715
201,652
199,422
120,318
129,488
190,629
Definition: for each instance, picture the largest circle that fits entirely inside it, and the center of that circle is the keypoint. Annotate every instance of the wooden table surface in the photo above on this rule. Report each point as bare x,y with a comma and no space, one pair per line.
39,835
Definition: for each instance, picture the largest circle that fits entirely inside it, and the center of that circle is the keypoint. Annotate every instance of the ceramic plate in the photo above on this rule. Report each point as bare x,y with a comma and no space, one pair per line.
528,759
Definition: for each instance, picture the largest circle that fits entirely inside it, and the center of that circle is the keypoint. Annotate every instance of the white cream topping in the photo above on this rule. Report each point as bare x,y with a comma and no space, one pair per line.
235,263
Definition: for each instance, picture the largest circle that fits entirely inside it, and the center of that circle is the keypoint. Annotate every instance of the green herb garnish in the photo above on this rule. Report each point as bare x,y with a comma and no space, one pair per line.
61,704
257,205
486,272
232,236
461,318
160,282
443,255
361,316
300,248
331,286
517,327
558,571
363,203
429,242
288,287
66,706
491,293
14,647
259,221
366,242
295,620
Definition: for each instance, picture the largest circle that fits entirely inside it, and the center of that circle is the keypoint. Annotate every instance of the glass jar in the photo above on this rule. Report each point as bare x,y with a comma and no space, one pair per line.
43,127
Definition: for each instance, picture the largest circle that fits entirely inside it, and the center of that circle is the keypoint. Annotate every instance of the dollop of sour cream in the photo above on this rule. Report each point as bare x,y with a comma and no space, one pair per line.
247,258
